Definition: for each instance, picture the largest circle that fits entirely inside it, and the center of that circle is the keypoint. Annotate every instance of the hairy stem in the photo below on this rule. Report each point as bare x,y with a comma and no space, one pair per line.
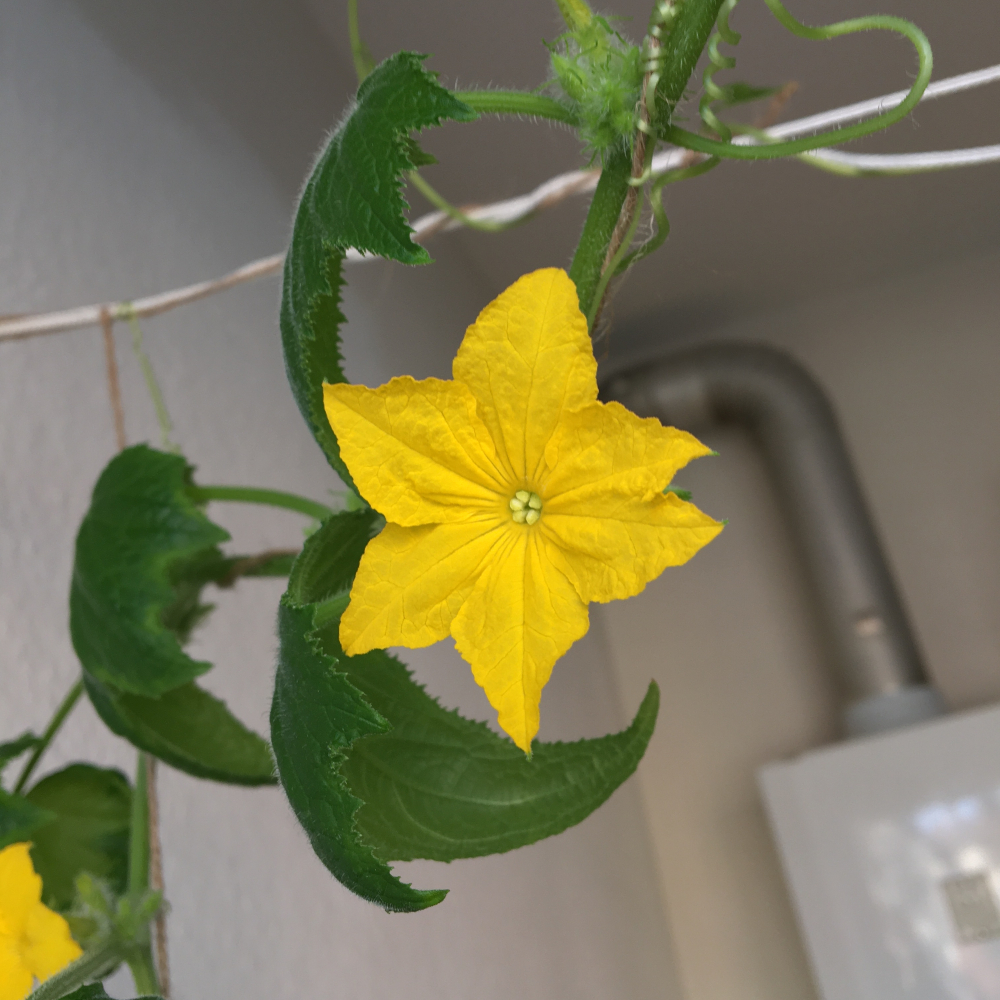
515,102
602,218
681,49
140,964
65,707
90,964
269,498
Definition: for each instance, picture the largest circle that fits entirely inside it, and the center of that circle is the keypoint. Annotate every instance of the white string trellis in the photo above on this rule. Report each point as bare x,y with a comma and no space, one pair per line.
544,196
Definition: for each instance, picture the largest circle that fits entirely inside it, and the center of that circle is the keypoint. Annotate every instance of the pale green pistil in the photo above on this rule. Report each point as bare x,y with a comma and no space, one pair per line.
526,508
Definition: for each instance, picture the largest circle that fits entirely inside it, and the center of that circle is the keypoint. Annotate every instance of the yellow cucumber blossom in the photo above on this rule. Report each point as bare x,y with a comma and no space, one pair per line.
35,942
512,498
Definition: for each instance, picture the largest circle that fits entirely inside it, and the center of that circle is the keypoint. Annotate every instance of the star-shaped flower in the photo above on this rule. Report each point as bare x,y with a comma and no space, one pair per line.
512,498
35,942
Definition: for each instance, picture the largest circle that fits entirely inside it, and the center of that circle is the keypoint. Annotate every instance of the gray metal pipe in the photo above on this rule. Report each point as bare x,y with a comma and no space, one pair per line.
769,394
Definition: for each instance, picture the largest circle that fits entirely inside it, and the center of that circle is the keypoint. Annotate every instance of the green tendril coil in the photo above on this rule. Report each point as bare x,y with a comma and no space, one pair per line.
717,61
729,150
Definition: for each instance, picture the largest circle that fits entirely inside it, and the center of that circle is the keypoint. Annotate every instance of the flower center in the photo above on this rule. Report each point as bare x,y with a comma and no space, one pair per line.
525,507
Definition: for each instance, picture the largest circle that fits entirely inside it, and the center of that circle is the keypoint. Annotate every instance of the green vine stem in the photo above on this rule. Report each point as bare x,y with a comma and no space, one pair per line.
364,63
65,707
602,217
268,498
138,841
678,55
516,102
612,265
898,25
139,955
152,386
89,965
456,213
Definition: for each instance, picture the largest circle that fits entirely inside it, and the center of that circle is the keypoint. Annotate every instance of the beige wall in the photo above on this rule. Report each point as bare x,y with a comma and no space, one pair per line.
914,371
108,190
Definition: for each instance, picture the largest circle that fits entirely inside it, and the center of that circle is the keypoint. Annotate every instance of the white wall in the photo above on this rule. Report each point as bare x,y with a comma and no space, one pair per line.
106,191
913,369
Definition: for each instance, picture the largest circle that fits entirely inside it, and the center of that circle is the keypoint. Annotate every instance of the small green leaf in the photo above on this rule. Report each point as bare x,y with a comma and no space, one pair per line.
19,818
744,93
330,556
354,199
186,728
96,991
141,522
90,831
683,494
13,749
376,770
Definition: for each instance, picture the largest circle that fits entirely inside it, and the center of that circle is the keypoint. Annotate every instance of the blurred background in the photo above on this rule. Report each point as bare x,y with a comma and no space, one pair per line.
147,145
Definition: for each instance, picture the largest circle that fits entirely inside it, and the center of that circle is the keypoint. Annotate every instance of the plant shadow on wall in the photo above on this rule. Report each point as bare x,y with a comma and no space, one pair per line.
492,507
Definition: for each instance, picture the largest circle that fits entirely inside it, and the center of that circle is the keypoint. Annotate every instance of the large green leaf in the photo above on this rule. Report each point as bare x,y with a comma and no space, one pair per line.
353,199
90,832
442,787
19,818
140,525
189,729
315,717
377,770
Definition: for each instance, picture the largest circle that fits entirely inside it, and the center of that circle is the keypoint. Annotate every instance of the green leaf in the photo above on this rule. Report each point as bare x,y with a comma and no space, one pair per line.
140,525
683,494
96,991
316,714
90,832
376,770
354,199
186,728
744,93
189,576
442,787
19,818
330,556
13,749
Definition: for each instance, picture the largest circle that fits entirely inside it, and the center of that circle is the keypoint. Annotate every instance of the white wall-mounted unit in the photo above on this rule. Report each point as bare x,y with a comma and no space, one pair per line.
891,848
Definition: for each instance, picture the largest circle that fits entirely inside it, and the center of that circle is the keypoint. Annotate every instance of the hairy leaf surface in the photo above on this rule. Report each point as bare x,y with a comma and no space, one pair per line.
89,833
140,525
353,199
377,770
316,715
189,729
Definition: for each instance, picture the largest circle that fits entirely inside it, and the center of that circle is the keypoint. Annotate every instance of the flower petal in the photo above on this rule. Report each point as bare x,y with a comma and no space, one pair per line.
417,450
48,945
521,617
15,976
613,544
528,359
611,527
603,446
20,888
412,582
